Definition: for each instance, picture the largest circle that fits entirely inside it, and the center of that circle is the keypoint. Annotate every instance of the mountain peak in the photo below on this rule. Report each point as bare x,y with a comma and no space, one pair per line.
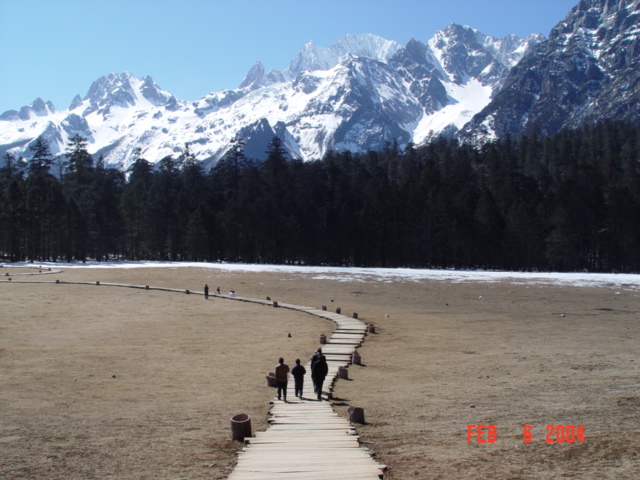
254,77
586,71
38,108
312,57
367,45
109,90
124,90
76,102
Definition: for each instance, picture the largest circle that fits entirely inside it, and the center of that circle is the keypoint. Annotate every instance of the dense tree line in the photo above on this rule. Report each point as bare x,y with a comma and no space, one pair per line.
567,202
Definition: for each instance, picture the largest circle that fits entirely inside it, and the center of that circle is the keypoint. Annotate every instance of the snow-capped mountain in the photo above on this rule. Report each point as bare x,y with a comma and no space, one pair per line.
356,95
588,70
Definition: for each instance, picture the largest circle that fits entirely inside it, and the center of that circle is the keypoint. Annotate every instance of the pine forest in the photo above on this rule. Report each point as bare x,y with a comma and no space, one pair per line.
563,203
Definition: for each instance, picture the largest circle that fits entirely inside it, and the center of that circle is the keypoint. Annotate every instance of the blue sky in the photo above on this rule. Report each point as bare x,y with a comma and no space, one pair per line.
55,49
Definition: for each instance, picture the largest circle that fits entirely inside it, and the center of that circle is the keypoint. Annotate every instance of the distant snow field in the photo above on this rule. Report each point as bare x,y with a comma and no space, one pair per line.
627,282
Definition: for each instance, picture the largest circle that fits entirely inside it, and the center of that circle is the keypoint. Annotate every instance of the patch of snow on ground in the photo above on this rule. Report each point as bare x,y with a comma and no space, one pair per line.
345,274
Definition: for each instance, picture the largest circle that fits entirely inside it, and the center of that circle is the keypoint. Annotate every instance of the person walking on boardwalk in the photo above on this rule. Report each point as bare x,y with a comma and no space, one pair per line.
282,375
314,360
206,292
319,373
298,373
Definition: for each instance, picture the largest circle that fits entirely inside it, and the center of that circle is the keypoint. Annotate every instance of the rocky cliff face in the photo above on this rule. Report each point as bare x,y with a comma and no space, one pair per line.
587,70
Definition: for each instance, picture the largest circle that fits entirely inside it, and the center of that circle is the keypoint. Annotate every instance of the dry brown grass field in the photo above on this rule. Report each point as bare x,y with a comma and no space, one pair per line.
101,382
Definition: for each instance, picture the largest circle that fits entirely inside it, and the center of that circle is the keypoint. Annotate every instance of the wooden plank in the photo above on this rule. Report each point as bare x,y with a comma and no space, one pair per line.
343,468
321,435
287,467
283,436
312,449
319,428
297,464
299,476
264,458
309,416
333,348
311,443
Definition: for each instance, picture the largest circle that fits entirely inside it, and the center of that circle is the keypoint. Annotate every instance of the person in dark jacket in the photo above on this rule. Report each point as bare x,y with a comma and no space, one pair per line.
319,373
298,373
314,360
282,375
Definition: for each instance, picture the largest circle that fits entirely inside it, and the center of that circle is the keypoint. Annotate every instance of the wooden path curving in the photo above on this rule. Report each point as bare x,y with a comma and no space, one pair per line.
41,270
306,439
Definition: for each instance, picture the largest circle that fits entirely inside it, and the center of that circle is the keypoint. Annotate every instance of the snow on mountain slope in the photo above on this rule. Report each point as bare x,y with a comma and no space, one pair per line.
471,98
357,94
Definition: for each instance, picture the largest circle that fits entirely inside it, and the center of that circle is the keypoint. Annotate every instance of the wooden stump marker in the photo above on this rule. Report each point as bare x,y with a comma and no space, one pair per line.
356,415
356,359
240,427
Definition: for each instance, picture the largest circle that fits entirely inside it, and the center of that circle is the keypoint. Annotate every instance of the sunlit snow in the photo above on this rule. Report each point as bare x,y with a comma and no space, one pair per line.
614,281
467,99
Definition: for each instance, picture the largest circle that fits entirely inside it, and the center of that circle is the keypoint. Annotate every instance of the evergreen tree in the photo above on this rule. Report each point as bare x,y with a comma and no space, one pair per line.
41,158
109,223
13,167
80,161
164,212
135,207
12,216
81,196
275,205
192,194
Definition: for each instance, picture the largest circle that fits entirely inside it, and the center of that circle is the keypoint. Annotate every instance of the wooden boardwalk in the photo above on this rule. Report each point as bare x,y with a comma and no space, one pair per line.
306,439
